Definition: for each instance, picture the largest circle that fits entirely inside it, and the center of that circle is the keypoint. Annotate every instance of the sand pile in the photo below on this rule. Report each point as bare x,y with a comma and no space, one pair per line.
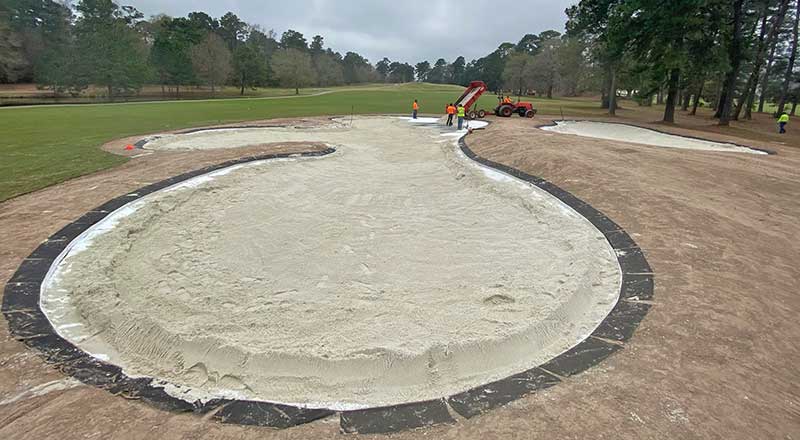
638,135
393,270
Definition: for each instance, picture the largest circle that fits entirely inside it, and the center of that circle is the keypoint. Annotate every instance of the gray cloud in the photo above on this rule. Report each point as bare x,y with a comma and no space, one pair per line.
404,30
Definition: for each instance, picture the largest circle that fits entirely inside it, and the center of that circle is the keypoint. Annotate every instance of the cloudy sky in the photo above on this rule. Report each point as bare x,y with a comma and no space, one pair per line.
403,30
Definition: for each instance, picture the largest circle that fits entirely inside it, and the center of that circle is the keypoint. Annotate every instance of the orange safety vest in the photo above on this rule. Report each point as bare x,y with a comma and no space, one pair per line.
451,110
415,106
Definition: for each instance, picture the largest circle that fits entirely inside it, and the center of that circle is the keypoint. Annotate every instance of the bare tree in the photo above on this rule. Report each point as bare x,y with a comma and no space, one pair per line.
572,66
328,69
293,68
517,72
12,54
545,67
211,60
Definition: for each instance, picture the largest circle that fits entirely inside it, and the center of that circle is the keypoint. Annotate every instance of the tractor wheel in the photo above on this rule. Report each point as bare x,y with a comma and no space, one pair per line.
481,114
472,114
506,111
530,114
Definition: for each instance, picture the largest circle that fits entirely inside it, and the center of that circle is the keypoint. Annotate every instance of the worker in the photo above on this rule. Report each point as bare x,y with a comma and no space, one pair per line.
507,100
451,111
462,113
414,109
782,121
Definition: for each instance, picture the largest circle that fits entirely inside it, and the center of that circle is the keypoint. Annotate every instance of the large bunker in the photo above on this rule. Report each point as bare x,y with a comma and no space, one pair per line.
639,135
391,271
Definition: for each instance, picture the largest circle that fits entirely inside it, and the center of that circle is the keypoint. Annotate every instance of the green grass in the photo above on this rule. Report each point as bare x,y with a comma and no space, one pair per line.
772,107
46,145
27,94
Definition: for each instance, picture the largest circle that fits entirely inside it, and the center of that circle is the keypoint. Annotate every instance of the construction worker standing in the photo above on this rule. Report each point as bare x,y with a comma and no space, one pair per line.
462,113
451,111
414,109
782,121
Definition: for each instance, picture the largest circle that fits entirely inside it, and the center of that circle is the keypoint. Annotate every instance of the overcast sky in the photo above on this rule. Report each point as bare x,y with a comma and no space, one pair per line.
403,30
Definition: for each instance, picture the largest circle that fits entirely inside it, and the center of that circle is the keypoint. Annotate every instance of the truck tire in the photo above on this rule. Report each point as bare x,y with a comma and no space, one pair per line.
506,111
472,114
481,114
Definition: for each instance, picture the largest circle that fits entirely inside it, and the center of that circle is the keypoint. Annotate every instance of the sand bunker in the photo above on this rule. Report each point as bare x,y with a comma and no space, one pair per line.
638,135
393,270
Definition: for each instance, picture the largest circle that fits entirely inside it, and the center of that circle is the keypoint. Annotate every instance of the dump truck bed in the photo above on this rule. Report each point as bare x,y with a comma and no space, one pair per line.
472,94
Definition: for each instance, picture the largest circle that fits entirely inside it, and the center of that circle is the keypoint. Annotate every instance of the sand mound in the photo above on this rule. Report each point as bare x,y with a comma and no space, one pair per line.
638,135
394,270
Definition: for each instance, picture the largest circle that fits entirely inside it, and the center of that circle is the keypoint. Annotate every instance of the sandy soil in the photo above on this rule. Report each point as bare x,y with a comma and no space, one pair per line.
356,290
639,135
715,358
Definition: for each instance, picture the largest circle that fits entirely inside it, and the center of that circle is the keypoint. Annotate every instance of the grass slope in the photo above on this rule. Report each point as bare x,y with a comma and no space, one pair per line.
46,145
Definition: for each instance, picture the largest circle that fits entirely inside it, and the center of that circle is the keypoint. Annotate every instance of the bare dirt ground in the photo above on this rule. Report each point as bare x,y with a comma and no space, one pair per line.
715,358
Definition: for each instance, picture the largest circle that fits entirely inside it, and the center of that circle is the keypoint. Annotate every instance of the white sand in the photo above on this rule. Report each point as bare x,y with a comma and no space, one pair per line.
638,135
394,270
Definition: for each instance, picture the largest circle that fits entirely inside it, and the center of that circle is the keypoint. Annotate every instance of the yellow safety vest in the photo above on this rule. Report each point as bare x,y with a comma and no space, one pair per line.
461,112
784,118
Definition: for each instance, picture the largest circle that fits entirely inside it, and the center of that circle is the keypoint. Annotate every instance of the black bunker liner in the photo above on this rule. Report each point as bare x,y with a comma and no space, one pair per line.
29,324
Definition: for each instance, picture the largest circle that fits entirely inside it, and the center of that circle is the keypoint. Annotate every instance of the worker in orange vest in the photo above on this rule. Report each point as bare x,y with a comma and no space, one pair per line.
451,111
507,100
414,109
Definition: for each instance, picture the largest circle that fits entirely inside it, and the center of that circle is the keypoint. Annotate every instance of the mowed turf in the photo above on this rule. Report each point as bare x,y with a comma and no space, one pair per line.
45,145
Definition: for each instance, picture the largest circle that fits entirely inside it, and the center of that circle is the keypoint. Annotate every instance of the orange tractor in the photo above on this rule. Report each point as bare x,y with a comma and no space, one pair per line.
524,109
469,100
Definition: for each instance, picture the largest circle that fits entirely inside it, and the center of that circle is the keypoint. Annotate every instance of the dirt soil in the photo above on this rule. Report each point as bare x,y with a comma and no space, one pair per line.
715,358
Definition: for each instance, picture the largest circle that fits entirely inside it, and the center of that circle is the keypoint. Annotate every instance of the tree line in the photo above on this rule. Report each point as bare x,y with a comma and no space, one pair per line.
103,44
100,43
733,55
